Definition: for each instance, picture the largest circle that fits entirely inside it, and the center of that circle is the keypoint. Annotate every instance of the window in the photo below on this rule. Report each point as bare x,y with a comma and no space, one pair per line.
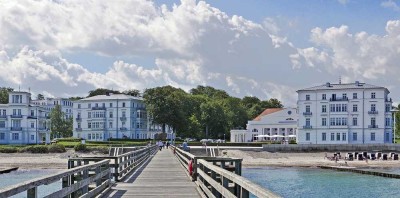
373,95
372,136
355,122
89,114
103,105
354,95
79,125
354,136
332,121
387,121
344,121
89,136
323,136
355,108
323,108
332,136
32,137
2,136
110,125
307,97
97,136
344,136
89,105
89,125
308,122
32,113
307,136
123,104
4,112
344,107
96,105
332,107
373,107
387,107
2,124
323,96
111,114
110,104
79,106
123,114
308,108
32,125
387,137
344,96
15,136
323,121
373,121
338,136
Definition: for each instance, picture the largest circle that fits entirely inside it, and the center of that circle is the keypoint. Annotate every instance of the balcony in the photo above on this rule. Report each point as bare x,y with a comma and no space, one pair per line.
32,117
373,112
16,128
78,119
307,127
99,108
78,129
339,99
123,129
373,126
3,116
307,113
16,116
123,118
42,129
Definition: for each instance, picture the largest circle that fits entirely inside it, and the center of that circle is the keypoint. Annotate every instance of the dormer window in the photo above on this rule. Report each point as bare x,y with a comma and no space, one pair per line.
307,97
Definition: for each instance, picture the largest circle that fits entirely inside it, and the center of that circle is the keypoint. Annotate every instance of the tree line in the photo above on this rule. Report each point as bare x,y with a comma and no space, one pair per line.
204,112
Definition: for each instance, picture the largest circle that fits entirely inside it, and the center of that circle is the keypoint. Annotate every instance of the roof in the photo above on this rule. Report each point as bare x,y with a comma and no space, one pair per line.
266,112
330,86
111,97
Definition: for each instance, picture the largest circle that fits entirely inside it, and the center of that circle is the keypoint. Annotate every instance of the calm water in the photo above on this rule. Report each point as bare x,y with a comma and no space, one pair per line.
19,176
314,182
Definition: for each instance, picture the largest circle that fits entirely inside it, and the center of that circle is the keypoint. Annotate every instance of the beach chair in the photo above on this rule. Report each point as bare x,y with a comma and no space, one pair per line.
396,156
385,156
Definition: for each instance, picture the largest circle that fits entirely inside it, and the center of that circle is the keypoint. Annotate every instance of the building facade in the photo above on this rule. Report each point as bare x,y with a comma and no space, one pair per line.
353,113
273,124
22,122
109,116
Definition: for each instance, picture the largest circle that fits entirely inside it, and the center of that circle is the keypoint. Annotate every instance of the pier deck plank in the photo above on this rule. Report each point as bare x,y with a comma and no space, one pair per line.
162,176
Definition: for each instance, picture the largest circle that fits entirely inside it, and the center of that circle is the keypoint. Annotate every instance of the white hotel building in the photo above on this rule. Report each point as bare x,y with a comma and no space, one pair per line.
104,117
354,113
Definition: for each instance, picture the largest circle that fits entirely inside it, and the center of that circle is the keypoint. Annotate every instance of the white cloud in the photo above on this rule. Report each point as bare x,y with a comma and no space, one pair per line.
390,4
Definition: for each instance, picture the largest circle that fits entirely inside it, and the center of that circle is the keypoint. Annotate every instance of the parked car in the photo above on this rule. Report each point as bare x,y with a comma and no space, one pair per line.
207,140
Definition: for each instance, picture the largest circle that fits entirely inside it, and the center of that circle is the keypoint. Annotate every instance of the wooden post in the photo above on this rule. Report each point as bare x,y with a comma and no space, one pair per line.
244,193
225,183
65,182
85,189
32,193
97,171
116,169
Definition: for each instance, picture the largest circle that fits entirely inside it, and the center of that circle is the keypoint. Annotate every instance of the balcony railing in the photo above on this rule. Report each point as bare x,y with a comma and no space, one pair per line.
307,127
307,113
16,116
98,108
372,112
123,129
78,129
78,119
42,129
16,128
373,126
32,117
123,118
339,99
3,116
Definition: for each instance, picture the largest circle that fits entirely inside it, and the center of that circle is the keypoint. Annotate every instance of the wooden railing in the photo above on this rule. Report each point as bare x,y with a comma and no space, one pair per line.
220,177
93,179
121,165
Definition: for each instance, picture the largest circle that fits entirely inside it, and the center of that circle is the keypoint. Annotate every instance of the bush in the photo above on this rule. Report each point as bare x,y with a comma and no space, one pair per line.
36,149
292,142
57,148
8,150
99,149
80,147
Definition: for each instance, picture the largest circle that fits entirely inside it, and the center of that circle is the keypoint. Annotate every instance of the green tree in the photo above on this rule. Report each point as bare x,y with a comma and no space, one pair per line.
40,97
60,125
75,98
132,92
210,92
4,94
213,119
101,91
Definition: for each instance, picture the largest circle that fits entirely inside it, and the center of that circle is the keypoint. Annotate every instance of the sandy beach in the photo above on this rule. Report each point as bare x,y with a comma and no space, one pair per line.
40,161
262,158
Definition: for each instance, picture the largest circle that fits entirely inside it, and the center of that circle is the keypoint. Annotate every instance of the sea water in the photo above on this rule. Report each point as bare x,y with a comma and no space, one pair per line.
20,176
315,182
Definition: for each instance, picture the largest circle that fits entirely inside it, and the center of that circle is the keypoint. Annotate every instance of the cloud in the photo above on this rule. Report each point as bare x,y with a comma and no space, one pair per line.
343,2
390,4
357,55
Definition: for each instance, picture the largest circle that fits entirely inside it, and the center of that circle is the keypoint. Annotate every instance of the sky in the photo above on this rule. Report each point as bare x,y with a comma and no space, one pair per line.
263,48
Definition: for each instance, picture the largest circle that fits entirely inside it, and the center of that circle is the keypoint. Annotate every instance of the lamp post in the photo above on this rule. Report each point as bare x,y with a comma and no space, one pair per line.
224,137
394,124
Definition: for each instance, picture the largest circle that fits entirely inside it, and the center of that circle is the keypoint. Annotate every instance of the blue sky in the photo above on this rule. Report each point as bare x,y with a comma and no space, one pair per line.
262,48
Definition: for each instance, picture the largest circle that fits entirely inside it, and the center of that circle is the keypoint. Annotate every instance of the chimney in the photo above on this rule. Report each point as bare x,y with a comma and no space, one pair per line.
357,83
328,84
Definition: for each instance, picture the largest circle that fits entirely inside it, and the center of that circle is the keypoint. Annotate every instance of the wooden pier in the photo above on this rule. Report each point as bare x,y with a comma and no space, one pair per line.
162,176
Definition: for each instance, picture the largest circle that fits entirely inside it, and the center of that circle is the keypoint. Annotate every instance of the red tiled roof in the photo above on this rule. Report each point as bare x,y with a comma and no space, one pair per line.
266,112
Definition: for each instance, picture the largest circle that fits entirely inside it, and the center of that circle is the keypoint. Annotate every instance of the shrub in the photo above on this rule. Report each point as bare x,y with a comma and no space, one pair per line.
8,150
36,149
99,149
80,147
292,142
57,148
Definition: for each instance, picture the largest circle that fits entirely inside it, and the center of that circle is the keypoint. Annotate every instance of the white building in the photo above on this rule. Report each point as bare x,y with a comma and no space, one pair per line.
22,122
354,113
50,103
104,117
278,122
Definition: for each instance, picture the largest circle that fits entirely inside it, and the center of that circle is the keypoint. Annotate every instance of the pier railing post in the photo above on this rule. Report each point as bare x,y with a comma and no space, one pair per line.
32,193
116,169
85,189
